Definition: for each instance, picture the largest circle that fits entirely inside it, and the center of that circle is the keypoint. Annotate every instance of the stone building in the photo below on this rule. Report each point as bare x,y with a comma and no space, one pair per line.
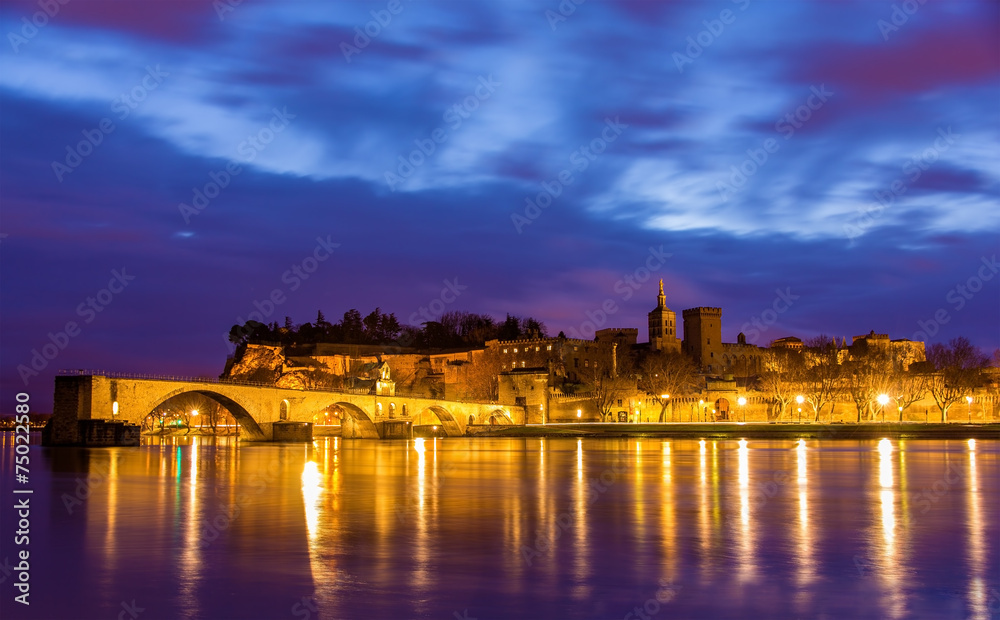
703,337
905,351
663,326
572,359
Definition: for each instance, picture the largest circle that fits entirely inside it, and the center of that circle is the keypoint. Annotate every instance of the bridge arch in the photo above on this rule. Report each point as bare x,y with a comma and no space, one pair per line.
444,418
496,416
243,417
356,423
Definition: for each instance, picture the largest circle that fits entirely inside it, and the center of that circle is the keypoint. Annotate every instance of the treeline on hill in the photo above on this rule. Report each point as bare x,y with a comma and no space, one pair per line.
451,330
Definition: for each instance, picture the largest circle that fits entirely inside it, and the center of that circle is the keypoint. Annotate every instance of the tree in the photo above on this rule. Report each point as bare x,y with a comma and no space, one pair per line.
822,375
322,327
907,388
352,327
780,375
532,328
957,370
866,375
668,373
240,334
510,329
607,387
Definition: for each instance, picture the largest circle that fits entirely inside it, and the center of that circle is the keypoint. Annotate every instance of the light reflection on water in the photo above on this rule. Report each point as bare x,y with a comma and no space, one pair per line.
191,527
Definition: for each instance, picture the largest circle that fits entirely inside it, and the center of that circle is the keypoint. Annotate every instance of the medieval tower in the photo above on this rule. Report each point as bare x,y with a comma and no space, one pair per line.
703,337
663,326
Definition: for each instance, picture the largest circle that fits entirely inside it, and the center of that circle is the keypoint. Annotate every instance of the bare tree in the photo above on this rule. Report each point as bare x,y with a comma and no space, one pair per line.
957,370
867,374
780,375
907,388
670,375
607,387
821,379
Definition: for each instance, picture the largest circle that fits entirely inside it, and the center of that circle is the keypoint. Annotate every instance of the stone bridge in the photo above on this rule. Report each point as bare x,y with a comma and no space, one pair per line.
257,408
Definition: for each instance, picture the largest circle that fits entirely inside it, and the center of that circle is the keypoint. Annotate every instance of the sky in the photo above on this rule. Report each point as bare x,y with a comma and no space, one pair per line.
168,168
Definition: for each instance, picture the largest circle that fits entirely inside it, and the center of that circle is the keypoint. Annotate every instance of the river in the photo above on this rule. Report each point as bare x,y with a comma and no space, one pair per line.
475,528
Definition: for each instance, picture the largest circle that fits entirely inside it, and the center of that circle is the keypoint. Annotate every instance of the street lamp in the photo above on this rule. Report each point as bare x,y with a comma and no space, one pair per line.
701,410
968,399
742,401
579,413
799,400
194,412
665,398
883,400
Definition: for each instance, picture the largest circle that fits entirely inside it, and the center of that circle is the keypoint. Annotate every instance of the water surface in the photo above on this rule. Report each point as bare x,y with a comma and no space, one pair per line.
512,528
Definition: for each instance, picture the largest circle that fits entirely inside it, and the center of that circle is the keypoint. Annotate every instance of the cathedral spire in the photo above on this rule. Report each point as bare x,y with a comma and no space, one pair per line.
661,299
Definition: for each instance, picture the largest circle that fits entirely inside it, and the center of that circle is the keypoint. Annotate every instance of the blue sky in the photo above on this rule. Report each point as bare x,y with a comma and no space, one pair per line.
835,159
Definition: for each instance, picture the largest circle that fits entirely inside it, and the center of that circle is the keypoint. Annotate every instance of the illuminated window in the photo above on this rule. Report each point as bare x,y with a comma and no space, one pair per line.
538,349
505,350
548,348
586,363
515,350
522,364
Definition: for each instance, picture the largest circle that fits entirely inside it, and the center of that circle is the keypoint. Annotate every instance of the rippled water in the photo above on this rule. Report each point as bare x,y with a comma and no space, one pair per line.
512,528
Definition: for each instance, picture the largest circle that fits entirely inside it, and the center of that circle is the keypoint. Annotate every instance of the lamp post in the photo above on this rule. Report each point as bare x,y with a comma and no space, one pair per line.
701,410
742,403
968,399
882,401
664,398
799,400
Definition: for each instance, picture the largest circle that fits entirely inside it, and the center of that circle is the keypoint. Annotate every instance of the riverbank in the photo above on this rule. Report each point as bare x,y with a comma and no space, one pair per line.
748,431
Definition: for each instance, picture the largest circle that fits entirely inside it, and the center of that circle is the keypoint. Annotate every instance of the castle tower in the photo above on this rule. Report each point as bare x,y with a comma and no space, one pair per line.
703,337
663,326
